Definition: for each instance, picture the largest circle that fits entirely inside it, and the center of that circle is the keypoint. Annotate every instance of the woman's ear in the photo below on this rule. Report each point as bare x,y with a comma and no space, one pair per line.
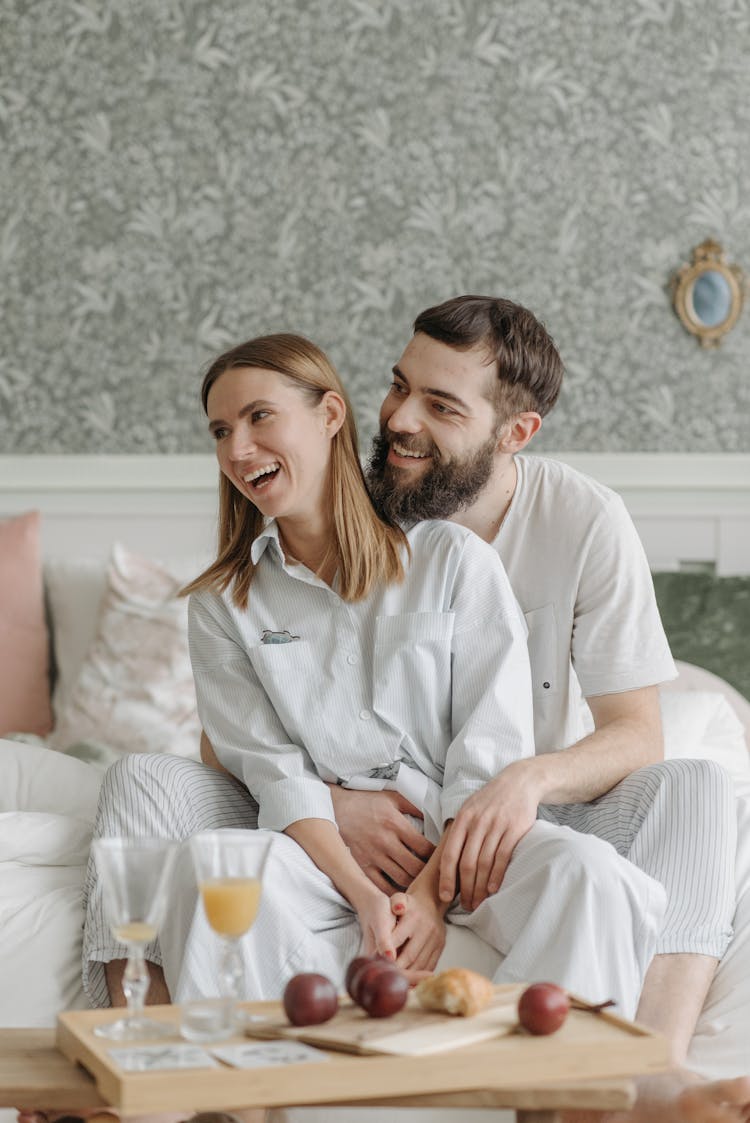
334,412
518,431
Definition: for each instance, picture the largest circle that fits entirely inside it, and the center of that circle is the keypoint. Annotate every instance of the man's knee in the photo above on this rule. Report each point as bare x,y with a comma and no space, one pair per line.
675,781
586,860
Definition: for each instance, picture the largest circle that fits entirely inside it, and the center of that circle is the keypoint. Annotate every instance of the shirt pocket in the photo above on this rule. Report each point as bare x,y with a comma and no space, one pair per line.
412,676
542,644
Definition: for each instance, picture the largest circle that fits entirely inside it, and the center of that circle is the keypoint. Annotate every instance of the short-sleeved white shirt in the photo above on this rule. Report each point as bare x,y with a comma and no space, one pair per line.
579,571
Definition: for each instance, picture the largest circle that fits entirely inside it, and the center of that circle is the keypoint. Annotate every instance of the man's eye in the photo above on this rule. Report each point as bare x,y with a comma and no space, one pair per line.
440,408
398,388
219,433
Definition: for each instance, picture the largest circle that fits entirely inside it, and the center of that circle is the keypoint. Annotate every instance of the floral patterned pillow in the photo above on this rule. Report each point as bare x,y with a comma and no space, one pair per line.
135,692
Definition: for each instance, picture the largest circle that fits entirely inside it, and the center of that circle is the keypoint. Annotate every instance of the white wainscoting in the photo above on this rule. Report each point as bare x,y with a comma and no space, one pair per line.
689,509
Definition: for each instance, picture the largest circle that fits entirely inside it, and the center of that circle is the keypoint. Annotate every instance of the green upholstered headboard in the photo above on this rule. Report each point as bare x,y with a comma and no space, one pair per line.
707,621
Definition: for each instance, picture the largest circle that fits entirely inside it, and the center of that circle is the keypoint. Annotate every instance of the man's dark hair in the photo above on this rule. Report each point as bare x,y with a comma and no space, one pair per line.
528,364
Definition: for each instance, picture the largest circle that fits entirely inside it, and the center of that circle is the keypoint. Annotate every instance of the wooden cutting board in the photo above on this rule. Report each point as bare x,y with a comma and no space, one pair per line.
412,1032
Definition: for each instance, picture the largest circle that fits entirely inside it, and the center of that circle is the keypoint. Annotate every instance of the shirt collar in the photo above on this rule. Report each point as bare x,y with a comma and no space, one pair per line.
268,535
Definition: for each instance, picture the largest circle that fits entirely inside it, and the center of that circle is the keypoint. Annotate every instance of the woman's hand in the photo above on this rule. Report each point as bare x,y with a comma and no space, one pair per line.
375,827
377,922
420,932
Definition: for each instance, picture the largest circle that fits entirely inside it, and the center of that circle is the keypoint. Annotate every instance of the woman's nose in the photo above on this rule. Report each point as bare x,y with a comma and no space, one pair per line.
241,444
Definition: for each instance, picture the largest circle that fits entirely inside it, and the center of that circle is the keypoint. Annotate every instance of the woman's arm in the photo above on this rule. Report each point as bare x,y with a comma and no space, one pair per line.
324,845
209,757
420,932
244,730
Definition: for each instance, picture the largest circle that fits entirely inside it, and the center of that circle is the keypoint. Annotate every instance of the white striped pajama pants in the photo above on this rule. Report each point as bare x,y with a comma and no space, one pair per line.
571,909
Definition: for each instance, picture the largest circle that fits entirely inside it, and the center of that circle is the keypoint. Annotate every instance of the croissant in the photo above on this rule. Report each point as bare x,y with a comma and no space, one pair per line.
456,991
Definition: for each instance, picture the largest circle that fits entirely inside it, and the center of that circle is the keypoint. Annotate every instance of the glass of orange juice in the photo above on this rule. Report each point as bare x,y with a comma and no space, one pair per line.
229,870
133,874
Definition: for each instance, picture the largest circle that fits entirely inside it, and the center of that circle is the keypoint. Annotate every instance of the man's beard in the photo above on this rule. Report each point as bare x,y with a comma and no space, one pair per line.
448,486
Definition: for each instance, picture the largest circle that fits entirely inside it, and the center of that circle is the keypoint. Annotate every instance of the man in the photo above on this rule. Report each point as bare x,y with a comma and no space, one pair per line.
469,393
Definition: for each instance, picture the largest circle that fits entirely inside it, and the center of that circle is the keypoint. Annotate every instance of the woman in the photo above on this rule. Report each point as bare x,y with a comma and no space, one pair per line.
330,647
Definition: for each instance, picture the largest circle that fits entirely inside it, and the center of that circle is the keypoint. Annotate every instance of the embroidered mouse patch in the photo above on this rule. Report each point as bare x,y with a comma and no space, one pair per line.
267,636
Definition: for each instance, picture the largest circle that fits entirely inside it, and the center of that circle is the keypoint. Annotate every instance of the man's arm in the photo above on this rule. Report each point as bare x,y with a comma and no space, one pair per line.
375,827
627,736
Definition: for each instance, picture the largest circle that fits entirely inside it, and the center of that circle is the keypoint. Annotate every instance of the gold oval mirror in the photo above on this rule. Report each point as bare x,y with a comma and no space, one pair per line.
708,293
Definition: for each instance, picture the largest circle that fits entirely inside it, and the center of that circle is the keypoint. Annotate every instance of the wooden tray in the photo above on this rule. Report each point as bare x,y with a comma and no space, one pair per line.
588,1047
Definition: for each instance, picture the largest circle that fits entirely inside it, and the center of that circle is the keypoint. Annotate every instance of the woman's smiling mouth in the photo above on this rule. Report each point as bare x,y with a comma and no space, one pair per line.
260,477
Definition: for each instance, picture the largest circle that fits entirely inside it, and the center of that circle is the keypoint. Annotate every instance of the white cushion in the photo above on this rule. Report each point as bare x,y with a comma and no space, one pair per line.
35,779
39,838
40,968
75,590
135,691
702,723
47,808
693,678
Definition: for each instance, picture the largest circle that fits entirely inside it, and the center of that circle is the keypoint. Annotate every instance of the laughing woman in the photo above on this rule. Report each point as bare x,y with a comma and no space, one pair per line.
330,647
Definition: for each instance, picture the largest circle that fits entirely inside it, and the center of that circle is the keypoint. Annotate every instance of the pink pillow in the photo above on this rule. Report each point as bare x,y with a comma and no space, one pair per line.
24,649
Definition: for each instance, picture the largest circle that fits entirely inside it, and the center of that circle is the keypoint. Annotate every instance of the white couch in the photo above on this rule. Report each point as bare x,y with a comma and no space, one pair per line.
48,802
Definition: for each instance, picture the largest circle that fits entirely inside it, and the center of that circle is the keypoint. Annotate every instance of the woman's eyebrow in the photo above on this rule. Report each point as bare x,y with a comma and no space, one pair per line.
258,403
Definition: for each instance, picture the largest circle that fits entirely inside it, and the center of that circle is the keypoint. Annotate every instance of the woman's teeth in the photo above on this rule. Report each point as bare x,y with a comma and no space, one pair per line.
261,475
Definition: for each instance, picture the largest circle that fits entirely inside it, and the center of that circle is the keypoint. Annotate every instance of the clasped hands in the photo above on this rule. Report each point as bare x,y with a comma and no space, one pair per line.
472,858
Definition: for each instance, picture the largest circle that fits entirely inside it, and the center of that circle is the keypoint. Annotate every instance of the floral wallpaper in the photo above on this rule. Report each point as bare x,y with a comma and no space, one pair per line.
176,175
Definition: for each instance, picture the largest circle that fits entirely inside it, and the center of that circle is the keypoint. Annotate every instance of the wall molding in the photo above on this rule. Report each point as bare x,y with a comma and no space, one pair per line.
647,471
690,509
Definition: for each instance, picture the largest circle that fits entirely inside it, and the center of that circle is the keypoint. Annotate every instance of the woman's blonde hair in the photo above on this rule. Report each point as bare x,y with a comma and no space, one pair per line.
367,549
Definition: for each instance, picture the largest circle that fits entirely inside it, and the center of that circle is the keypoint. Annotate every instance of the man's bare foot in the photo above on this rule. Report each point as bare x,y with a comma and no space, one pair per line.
680,1097
716,1101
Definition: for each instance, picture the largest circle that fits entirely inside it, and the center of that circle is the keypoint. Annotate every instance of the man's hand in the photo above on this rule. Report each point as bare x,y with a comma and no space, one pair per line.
380,837
484,834
419,935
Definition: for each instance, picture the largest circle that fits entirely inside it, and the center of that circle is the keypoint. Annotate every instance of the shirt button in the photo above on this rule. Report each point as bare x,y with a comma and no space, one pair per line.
365,715
351,659
546,685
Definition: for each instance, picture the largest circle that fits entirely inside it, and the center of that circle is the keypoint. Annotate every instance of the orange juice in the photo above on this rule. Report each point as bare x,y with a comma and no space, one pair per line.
136,932
231,903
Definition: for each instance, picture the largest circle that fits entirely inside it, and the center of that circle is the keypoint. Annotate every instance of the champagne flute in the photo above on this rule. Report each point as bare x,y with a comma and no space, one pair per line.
133,873
229,870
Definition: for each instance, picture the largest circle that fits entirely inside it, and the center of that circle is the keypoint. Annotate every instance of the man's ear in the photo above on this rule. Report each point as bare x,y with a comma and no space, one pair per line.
334,412
518,431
